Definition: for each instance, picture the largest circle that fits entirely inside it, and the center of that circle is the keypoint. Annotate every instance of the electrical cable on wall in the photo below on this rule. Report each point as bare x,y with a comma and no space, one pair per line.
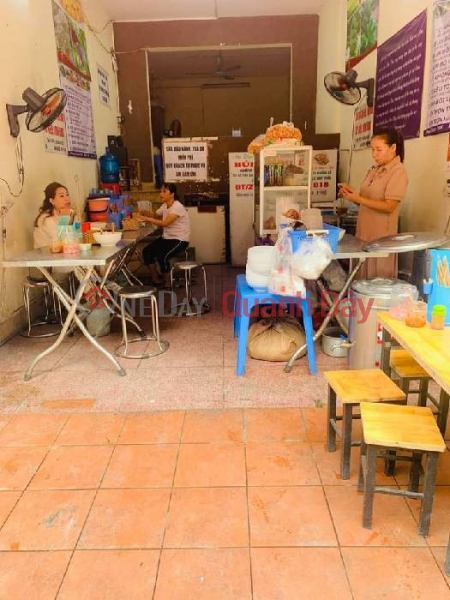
20,172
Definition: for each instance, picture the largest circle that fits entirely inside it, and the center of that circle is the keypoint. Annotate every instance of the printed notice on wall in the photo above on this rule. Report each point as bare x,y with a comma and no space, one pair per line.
324,167
103,85
438,114
363,125
55,136
185,160
399,80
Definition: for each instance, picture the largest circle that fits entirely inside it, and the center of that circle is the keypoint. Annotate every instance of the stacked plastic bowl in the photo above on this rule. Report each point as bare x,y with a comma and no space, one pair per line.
260,262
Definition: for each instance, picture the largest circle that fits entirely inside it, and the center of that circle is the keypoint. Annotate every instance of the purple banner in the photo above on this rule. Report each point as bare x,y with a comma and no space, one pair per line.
399,81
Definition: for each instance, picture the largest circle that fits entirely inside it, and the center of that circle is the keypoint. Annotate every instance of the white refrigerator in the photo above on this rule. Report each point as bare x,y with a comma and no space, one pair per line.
242,198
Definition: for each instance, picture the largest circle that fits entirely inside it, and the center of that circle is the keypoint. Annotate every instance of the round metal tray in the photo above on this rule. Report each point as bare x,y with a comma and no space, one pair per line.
407,242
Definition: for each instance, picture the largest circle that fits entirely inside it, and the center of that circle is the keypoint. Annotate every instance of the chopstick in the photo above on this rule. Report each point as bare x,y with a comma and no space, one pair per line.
443,272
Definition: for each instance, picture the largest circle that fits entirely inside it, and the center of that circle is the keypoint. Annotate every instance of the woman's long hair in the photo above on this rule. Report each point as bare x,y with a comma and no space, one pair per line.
47,207
392,136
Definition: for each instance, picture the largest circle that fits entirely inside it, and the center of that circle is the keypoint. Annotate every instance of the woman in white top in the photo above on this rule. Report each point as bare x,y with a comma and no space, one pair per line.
56,203
174,220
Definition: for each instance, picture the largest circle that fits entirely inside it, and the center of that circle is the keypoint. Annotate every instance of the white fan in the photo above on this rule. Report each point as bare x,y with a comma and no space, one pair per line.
220,70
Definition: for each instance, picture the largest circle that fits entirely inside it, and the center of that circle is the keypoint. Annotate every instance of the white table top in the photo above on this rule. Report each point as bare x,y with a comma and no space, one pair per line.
352,247
98,256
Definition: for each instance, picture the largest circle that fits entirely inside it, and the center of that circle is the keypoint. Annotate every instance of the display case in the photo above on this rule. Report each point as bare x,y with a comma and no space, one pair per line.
282,181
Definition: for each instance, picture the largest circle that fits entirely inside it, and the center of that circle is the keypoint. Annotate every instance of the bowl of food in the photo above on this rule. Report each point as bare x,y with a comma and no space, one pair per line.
107,238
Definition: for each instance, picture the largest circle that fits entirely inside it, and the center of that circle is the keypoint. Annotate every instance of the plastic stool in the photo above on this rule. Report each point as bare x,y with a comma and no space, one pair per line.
137,292
246,299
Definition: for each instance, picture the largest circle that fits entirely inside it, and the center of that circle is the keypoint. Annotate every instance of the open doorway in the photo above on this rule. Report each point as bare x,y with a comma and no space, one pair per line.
214,91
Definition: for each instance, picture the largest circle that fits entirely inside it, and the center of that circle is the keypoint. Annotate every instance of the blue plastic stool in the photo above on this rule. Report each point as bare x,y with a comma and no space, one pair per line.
245,300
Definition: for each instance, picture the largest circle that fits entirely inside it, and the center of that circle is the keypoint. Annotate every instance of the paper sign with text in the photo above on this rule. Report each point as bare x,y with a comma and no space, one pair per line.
185,160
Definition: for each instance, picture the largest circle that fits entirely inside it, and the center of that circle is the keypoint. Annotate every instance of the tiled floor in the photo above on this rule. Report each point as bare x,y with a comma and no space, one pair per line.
240,504
181,481
198,371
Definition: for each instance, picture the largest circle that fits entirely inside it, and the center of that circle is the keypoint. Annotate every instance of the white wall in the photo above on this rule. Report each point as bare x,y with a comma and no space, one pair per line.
424,207
28,57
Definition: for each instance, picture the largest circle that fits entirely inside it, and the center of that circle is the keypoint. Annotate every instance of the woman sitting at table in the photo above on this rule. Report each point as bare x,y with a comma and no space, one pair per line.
174,221
56,203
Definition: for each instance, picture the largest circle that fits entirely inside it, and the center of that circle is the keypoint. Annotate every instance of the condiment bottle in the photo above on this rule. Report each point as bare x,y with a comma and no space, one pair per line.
438,316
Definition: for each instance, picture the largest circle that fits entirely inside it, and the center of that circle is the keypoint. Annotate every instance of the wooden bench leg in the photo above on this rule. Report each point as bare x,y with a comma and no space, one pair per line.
346,440
361,466
443,412
331,420
423,392
447,559
369,488
428,492
414,475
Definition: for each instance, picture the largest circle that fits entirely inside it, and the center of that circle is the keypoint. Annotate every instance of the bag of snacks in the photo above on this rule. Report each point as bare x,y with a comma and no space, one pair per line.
281,132
257,144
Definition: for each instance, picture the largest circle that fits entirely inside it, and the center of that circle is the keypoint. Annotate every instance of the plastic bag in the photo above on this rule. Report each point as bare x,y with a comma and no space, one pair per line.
313,256
275,339
257,144
281,279
282,131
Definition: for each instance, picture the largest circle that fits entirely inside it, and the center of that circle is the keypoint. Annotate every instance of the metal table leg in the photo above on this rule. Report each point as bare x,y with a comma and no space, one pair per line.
71,306
319,332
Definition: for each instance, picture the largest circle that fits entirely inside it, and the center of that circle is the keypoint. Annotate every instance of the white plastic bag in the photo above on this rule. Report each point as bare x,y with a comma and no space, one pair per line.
281,280
313,256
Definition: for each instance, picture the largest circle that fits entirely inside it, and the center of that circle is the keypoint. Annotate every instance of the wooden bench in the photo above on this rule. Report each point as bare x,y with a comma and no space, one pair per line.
412,429
353,388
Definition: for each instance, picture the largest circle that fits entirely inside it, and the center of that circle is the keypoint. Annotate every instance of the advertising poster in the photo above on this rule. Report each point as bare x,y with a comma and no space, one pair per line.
185,160
75,79
362,30
399,78
55,136
438,113
241,170
324,169
363,126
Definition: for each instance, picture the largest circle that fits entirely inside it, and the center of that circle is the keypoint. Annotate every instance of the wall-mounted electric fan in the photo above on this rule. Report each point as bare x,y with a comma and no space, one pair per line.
345,87
42,110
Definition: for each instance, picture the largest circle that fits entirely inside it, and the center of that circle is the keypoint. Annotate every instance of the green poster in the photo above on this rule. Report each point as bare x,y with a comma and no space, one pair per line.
362,30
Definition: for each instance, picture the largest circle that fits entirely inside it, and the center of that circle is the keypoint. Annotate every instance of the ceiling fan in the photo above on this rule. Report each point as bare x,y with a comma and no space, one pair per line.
220,70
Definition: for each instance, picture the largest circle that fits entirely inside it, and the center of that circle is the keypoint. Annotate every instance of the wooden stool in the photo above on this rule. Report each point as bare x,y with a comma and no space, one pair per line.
408,428
408,370
354,387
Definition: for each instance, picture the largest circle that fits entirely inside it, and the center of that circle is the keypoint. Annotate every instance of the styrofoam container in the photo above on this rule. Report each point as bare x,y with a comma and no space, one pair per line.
256,281
261,259
107,238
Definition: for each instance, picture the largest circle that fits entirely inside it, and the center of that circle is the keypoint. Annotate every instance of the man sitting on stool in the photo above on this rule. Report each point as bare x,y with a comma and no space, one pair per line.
175,239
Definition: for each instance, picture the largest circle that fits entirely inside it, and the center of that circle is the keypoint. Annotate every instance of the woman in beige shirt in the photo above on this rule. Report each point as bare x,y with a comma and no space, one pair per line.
56,203
379,198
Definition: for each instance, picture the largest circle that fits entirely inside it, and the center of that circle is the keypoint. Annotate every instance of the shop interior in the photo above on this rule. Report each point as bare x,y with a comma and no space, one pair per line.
225,299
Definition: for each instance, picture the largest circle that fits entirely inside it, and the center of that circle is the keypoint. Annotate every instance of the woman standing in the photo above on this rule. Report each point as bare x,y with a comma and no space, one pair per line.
176,231
379,198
